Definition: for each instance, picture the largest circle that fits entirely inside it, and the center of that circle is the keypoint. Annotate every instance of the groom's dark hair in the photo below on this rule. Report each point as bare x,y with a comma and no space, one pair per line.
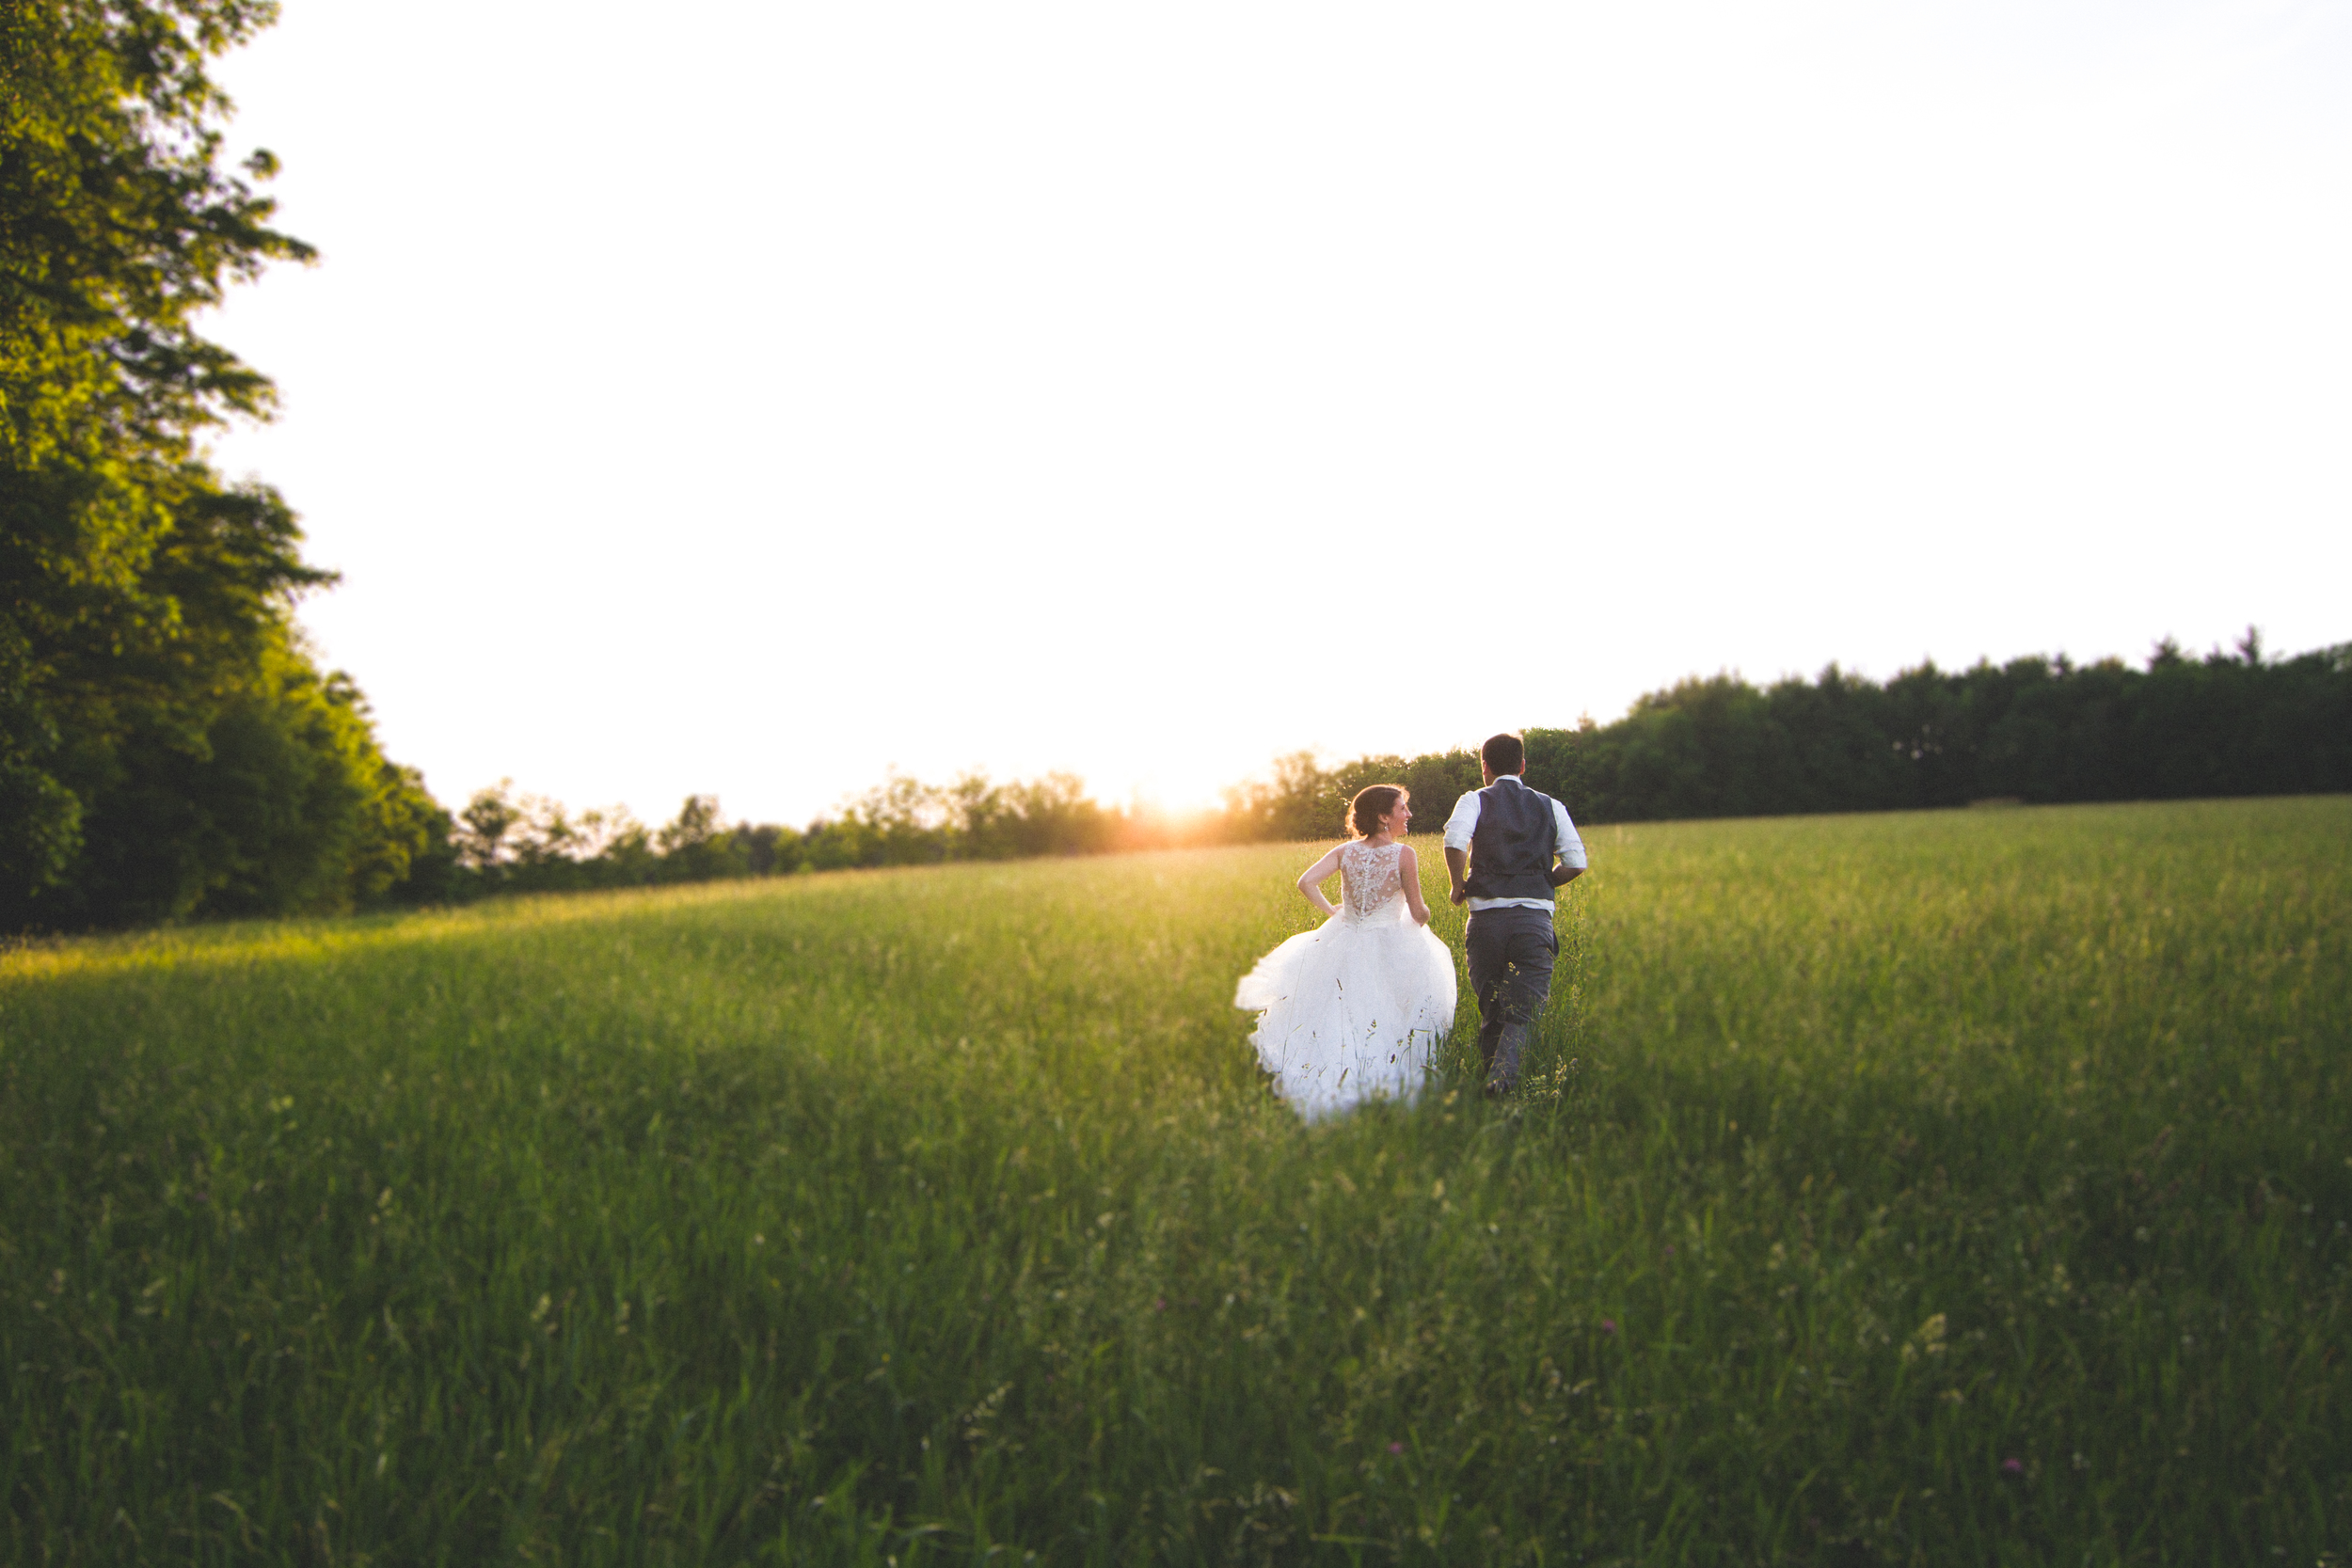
1504,753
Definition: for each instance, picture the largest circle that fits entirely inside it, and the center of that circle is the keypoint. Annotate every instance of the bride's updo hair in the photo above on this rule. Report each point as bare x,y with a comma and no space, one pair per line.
1370,804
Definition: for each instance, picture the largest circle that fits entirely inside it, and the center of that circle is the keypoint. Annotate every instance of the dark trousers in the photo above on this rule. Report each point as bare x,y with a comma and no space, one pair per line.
1511,951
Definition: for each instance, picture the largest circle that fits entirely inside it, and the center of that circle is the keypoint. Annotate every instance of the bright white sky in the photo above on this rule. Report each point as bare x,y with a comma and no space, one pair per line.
748,397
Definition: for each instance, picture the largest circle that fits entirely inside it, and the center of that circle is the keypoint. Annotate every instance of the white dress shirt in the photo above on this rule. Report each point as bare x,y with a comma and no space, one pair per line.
1464,822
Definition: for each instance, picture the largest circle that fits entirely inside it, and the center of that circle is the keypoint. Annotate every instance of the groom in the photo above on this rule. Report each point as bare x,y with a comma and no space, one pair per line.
1499,844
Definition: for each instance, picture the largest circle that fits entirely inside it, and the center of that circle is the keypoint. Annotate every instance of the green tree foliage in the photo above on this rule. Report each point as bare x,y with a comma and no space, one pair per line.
1300,801
904,822
167,747
503,841
2040,729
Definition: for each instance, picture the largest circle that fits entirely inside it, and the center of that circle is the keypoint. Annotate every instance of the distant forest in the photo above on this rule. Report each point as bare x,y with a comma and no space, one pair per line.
2037,730
170,748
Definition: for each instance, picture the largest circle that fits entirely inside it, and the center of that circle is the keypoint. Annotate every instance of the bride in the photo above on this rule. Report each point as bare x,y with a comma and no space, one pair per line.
1349,1011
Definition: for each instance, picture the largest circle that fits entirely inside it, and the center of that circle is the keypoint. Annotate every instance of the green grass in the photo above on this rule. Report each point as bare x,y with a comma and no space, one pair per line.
939,1216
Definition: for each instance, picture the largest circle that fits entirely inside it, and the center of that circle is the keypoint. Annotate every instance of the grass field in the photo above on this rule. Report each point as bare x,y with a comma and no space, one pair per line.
1953,1188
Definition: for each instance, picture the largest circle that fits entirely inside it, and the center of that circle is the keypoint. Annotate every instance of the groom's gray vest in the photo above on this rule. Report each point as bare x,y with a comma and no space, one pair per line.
1512,848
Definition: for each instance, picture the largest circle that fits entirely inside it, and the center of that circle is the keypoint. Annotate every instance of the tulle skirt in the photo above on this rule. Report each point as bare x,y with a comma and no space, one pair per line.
1350,1012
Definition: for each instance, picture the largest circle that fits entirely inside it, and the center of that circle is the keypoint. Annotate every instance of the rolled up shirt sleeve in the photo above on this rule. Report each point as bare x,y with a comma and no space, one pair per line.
1571,847
1464,822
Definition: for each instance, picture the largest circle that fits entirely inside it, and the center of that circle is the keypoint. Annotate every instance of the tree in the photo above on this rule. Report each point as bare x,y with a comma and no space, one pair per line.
168,746
695,846
1300,802
482,834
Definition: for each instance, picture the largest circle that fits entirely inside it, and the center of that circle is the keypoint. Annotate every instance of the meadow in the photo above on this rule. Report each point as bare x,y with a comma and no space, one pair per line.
1955,1187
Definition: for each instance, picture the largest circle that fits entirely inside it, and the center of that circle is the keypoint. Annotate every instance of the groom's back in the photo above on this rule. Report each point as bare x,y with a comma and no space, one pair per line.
1513,845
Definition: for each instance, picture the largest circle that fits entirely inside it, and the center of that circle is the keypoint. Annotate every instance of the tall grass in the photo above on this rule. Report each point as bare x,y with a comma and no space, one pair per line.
1953,1188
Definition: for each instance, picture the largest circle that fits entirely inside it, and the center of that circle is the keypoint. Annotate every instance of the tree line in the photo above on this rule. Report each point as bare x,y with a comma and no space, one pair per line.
506,842
2039,730
2042,730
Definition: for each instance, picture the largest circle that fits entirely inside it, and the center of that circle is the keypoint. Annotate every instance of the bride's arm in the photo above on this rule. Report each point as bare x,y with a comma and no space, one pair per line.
1311,883
1409,872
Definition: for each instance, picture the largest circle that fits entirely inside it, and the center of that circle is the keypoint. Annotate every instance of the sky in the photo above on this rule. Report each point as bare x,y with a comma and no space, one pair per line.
753,397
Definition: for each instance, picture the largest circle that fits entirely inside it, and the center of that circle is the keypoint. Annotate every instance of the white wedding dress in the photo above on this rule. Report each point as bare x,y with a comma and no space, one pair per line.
1351,1011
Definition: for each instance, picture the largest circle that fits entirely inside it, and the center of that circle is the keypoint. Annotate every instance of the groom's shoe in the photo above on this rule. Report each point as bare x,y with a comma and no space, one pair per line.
1504,1075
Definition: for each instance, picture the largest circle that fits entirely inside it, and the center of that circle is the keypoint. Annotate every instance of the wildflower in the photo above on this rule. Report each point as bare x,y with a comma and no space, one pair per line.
1928,1336
1608,1325
1396,1448
1160,1305
1670,1250
2013,1466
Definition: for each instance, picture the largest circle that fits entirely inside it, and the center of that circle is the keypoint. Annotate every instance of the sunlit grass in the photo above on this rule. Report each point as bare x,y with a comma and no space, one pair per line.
915,1215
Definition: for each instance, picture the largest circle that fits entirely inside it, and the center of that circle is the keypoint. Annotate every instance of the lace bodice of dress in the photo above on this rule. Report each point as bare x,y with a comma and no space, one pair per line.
1369,883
